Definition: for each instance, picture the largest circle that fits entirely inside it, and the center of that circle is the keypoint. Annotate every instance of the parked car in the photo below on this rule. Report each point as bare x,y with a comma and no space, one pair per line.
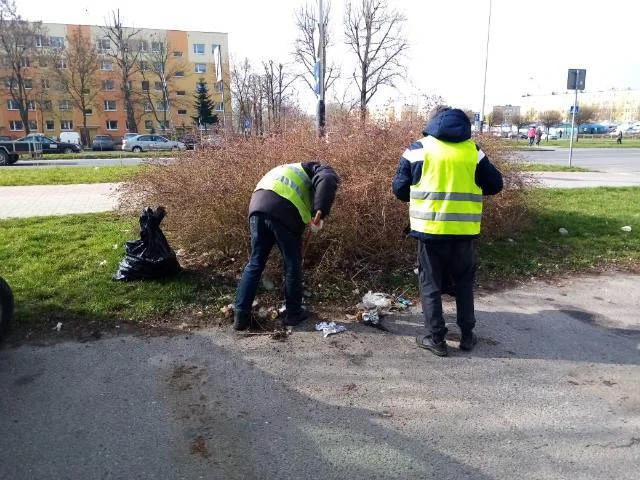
129,135
102,143
190,141
49,145
145,143
70,137
5,138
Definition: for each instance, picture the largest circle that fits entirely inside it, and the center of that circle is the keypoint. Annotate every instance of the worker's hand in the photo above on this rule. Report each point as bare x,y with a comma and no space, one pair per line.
315,227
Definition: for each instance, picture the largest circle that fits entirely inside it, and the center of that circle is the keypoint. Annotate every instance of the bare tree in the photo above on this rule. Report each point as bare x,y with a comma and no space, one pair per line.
277,83
240,74
374,32
78,79
159,69
18,39
126,56
549,118
307,46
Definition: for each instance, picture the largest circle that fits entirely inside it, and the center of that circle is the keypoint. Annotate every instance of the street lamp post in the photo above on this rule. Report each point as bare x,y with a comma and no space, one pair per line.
320,117
486,64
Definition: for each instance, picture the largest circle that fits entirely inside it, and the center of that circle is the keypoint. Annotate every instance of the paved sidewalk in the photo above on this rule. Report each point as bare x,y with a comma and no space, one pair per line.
550,392
45,200
587,179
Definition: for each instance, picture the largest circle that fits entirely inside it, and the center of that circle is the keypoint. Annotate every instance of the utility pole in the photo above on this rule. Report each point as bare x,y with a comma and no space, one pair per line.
575,81
486,64
320,114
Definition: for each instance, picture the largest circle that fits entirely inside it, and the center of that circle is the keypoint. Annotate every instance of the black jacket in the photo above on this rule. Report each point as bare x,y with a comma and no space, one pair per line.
451,125
324,183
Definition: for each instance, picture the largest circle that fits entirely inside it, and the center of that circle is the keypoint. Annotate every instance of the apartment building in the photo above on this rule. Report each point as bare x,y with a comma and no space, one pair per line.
159,102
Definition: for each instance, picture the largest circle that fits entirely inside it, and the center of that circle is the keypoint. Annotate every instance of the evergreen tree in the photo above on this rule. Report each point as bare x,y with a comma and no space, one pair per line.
203,105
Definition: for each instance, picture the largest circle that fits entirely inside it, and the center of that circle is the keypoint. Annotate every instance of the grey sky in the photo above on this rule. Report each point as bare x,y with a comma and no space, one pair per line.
530,48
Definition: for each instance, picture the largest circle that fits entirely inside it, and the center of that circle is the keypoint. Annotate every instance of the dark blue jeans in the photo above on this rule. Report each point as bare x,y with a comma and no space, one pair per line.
265,232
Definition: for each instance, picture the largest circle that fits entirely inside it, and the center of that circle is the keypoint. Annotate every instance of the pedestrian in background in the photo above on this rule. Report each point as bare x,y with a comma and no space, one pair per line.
538,136
444,176
619,137
531,135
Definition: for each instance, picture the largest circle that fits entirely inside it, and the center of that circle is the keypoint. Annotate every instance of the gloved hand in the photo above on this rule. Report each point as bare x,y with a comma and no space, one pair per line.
316,227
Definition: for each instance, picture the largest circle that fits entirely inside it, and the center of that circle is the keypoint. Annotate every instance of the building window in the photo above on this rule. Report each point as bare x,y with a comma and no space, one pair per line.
181,93
45,83
15,125
219,107
164,124
161,107
177,54
198,48
24,62
200,68
143,65
106,65
33,125
156,47
179,74
213,47
66,125
145,85
88,111
28,83
64,105
13,104
47,105
157,85
109,105
108,85
39,42
48,124
56,42
31,105
143,46
148,107
112,125
104,44
148,124
200,87
182,111
219,87
8,82
61,63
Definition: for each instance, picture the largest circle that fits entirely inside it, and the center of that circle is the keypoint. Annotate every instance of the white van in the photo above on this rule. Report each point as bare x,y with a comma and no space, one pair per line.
70,137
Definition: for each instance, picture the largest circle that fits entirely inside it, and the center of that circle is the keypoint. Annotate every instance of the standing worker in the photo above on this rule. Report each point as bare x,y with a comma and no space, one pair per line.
288,198
443,176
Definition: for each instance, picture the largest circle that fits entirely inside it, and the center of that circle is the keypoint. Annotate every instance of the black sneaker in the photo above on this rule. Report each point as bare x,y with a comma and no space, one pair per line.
291,320
241,320
468,341
437,348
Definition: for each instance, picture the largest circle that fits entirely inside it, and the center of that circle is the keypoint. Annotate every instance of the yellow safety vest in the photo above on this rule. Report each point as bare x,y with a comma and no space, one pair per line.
446,200
291,182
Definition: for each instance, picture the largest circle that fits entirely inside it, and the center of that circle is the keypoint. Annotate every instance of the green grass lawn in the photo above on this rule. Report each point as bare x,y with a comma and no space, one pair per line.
66,175
60,270
60,267
593,217
548,167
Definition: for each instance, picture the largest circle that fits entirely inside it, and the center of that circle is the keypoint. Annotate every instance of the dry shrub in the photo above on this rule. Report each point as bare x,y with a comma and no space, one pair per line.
207,193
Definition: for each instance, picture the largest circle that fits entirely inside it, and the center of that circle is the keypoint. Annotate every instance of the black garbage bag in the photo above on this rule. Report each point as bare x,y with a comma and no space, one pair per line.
151,256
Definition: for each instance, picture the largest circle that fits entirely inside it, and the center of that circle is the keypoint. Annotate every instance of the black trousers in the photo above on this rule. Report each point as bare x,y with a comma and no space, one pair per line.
437,261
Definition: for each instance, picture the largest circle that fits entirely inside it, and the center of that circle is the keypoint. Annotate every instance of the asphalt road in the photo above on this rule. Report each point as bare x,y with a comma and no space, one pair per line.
619,160
551,392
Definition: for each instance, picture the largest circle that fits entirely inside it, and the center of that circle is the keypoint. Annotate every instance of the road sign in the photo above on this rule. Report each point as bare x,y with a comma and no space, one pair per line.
476,117
316,76
571,109
576,79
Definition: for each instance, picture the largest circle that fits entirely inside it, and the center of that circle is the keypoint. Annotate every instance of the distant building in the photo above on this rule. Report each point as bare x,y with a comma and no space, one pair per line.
506,113
190,56
614,105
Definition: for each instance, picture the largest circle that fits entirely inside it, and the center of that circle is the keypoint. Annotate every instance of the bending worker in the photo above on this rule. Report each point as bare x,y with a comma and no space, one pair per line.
288,198
443,176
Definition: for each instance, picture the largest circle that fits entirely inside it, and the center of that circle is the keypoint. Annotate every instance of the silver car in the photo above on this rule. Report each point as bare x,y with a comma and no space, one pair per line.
146,143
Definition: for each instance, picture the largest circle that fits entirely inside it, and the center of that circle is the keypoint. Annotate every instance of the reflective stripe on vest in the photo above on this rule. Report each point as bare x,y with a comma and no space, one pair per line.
290,182
446,200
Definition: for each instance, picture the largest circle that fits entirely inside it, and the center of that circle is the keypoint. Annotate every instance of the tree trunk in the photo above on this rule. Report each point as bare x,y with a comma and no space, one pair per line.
131,119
